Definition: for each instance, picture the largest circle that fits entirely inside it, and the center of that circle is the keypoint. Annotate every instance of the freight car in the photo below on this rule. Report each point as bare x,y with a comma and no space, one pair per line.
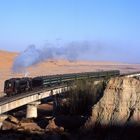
20,85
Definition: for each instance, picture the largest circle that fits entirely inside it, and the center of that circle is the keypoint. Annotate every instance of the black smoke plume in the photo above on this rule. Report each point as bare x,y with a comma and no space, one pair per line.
71,51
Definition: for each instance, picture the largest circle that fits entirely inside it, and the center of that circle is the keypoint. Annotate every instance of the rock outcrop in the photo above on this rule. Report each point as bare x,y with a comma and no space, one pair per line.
52,127
12,119
119,106
12,123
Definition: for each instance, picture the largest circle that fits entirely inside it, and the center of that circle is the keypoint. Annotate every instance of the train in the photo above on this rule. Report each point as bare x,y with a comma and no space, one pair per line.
26,84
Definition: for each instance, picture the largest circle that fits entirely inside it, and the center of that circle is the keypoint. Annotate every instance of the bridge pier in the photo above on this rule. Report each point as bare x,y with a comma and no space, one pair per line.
32,110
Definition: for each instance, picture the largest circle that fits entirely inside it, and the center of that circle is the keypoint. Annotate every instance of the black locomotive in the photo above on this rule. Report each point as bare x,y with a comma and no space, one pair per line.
17,85
20,85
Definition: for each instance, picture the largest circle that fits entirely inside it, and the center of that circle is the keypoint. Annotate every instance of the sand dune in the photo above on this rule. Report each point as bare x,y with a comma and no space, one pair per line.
50,67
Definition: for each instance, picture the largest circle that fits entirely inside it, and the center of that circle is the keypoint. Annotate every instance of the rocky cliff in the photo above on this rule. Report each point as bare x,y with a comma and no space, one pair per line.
120,104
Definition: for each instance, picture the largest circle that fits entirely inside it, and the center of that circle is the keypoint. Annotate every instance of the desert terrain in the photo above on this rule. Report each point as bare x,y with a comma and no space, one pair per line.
50,67
114,105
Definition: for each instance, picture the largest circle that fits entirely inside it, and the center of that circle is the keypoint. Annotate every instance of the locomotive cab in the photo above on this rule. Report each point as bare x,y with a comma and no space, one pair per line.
9,86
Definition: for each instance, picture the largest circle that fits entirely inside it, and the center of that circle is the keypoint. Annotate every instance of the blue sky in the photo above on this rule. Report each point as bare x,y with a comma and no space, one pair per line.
113,23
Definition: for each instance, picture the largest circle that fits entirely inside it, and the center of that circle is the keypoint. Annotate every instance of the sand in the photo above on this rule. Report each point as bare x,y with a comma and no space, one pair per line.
51,67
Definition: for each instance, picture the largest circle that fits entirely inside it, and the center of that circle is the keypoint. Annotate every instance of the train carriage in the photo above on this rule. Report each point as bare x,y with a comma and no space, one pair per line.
20,85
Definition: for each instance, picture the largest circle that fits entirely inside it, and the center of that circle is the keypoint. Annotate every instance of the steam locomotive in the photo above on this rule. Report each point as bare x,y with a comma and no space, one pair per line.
20,85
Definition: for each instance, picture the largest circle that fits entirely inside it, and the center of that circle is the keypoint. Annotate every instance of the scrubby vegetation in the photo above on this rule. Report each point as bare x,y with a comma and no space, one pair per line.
82,96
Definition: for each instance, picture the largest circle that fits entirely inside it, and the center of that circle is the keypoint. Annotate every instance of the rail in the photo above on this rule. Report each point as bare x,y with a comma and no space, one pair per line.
8,100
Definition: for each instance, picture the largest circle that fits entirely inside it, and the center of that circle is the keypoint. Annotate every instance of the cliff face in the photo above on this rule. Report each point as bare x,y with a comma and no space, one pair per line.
120,104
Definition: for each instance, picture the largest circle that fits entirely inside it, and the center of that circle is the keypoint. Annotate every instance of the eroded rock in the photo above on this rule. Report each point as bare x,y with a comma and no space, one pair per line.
9,126
13,119
29,127
53,127
120,104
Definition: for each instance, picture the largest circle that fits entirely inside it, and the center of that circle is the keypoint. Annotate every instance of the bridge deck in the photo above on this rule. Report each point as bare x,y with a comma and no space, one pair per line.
9,103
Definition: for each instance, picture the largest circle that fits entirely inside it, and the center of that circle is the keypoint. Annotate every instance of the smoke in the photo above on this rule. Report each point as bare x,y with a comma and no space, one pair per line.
27,58
71,51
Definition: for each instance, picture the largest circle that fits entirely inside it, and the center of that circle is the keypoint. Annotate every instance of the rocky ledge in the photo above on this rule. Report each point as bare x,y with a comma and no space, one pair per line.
120,104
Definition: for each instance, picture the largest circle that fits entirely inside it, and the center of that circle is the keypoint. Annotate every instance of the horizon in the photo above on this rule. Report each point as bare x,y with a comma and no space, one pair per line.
82,60
113,27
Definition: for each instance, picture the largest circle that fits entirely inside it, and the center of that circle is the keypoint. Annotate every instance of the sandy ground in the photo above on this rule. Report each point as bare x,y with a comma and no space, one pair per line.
58,67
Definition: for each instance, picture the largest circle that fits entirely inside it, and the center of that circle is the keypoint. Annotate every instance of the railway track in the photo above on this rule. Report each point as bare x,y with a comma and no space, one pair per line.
6,99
